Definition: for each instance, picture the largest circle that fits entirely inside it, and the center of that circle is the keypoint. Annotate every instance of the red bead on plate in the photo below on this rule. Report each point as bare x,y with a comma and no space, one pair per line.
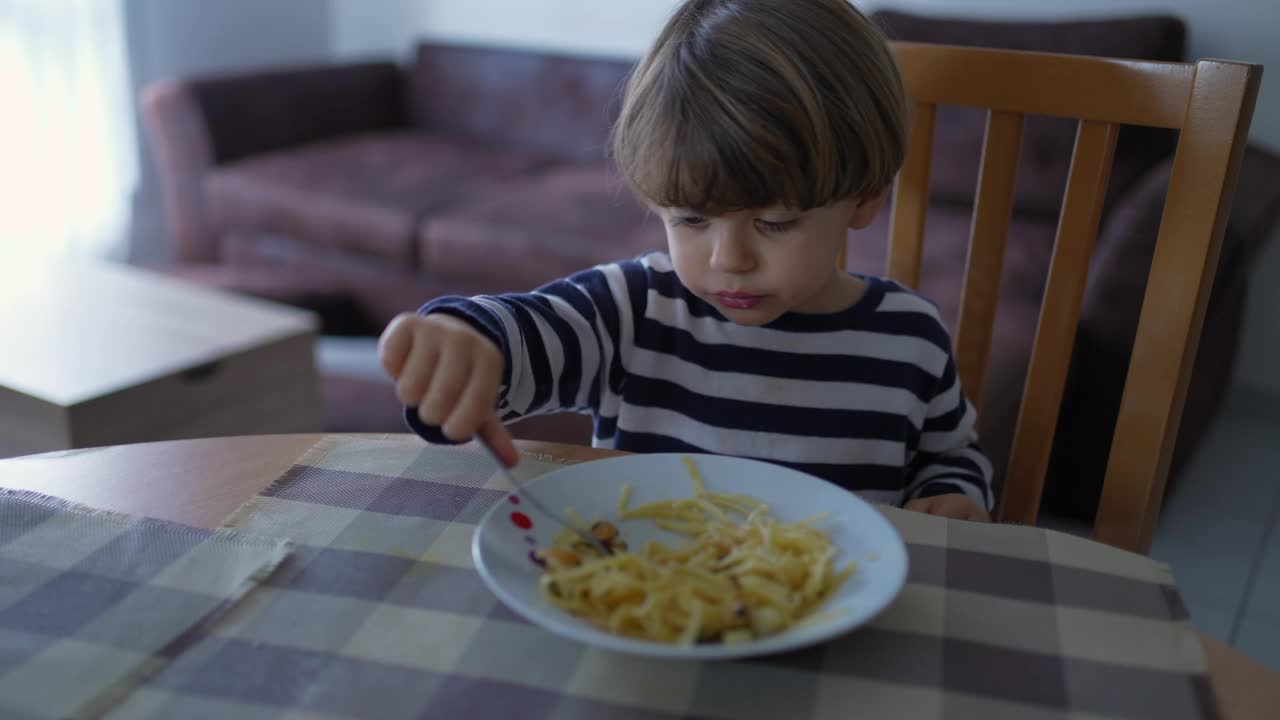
521,520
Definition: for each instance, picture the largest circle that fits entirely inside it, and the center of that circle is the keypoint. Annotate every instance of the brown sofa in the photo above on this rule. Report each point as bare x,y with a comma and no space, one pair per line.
363,190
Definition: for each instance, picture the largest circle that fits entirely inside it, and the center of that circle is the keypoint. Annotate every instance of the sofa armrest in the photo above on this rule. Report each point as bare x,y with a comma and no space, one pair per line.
194,124
1127,239
1109,322
1255,209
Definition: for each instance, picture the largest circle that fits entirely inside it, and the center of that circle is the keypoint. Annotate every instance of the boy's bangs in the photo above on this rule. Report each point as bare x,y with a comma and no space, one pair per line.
713,166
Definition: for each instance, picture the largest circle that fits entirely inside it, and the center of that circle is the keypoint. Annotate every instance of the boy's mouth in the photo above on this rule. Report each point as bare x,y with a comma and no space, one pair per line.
739,300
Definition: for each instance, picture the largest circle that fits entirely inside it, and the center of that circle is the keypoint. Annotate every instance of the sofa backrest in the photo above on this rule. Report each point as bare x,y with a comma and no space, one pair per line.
558,106
1047,142
251,112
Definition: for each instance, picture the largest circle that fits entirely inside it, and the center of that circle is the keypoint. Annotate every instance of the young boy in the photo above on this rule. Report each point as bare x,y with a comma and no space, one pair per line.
759,131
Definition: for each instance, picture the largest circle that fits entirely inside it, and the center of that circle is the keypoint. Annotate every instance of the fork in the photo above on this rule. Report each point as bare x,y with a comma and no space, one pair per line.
587,537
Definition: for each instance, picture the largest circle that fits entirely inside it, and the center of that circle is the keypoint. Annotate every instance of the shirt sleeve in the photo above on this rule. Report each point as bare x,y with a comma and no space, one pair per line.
559,343
948,458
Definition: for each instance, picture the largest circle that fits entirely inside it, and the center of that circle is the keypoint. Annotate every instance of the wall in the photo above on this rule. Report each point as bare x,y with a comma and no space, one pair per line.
608,28
1227,29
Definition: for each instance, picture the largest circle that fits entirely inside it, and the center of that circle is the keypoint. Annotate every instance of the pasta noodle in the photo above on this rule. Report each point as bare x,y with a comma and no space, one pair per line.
740,575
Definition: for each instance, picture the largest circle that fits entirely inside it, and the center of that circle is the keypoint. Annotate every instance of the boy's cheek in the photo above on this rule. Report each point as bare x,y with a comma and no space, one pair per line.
687,263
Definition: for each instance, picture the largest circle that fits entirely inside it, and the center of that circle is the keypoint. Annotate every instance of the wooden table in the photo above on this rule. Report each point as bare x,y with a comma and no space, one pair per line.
201,482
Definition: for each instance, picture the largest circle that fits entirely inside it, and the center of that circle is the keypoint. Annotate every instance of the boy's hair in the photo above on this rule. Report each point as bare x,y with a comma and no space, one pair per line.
749,103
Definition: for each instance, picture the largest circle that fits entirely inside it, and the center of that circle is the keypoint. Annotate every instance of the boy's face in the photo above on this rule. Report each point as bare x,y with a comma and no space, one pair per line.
755,265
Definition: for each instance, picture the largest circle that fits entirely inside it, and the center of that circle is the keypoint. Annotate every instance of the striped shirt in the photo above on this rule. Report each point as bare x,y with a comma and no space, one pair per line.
867,398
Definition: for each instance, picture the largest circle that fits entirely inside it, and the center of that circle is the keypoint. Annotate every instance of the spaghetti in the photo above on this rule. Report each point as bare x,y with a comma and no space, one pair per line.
740,575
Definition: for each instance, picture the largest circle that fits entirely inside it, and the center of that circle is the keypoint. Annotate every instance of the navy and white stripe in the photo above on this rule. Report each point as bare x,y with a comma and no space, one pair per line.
867,398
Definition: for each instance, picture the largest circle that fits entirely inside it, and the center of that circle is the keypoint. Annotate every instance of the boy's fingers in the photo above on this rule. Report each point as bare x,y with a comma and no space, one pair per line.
476,402
447,383
499,438
959,507
395,344
415,375
919,505
958,511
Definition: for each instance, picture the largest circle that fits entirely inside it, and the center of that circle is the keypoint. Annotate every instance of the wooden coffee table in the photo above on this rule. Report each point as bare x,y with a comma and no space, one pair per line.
102,354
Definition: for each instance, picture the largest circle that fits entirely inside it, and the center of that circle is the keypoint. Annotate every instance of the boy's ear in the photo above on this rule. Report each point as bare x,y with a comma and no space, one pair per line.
866,208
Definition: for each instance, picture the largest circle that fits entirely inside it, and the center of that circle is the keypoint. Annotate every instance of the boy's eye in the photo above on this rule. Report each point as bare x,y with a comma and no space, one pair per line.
690,220
778,226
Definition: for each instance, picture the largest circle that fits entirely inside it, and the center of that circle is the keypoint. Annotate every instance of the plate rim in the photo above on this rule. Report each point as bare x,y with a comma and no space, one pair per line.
595,637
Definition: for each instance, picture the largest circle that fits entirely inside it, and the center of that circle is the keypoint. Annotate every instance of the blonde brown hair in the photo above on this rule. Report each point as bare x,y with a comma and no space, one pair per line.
750,103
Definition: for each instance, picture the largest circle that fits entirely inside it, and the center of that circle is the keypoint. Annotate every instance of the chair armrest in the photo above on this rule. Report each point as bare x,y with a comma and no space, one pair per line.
194,124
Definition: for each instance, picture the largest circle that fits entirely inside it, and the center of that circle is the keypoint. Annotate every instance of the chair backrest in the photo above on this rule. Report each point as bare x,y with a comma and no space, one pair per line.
1211,103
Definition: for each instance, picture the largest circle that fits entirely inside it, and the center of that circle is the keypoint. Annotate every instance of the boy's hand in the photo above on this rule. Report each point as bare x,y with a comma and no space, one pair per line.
451,373
951,505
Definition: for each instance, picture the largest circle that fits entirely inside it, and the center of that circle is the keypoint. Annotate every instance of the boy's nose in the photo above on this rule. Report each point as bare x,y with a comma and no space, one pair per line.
731,253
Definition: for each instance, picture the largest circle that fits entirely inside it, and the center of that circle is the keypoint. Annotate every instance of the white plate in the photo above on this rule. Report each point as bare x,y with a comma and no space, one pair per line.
501,547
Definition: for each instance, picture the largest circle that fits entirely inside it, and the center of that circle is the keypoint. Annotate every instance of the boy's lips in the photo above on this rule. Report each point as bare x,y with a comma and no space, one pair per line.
739,300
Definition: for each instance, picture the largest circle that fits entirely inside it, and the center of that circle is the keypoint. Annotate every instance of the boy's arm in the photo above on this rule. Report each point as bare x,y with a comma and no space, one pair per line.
558,343
948,459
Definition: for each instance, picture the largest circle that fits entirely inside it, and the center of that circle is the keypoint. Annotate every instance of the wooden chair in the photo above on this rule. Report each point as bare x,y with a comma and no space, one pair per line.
1211,103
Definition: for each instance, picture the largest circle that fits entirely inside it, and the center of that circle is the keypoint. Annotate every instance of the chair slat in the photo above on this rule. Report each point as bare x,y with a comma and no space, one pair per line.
993,209
1059,316
1196,208
911,200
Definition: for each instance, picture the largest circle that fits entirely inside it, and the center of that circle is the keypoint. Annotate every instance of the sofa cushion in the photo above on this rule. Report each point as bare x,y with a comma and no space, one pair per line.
554,223
1047,142
526,101
366,193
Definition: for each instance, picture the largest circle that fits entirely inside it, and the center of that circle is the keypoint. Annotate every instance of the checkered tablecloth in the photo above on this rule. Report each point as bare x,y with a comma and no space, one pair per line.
379,613
91,602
